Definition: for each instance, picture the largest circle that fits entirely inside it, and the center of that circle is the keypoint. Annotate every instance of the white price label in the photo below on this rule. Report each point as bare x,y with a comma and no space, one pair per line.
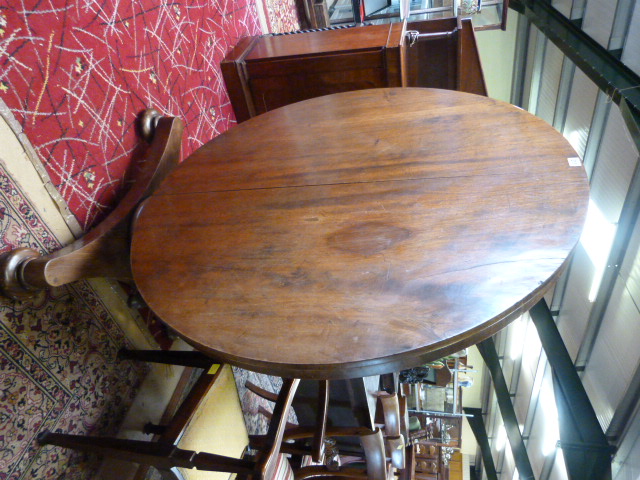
574,162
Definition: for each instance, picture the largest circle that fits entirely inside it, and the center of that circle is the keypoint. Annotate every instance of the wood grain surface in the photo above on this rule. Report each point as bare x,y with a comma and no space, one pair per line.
360,233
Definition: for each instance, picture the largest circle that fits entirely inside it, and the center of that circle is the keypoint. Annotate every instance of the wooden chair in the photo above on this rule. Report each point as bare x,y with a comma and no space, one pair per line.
317,432
380,452
394,433
164,454
375,466
395,415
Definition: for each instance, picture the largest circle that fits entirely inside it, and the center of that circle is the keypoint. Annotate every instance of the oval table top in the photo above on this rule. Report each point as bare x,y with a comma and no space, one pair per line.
360,233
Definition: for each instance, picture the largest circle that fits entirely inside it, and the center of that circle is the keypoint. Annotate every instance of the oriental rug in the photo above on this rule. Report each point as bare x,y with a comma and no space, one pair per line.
282,16
57,360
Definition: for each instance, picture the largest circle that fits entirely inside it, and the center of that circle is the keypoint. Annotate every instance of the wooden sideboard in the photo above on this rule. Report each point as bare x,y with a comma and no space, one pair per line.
266,72
430,463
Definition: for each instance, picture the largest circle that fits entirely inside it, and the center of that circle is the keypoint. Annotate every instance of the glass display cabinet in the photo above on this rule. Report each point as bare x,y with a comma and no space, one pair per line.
485,14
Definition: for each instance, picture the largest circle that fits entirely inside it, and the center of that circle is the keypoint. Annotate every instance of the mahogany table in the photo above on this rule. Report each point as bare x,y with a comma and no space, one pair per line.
361,232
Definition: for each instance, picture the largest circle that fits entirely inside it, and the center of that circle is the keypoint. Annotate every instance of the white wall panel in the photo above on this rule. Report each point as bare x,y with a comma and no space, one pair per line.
491,411
534,445
598,20
626,463
615,355
529,365
500,441
576,307
614,167
582,102
544,429
631,49
507,369
532,347
630,268
578,8
535,56
509,464
514,336
528,67
549,82
559,470
563,6
521,400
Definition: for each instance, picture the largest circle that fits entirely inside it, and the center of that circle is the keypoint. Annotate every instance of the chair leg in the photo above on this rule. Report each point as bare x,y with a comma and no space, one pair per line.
187,359
163,456
104,250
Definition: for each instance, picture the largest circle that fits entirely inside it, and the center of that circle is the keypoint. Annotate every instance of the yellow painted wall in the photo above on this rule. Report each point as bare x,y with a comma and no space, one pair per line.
217,427
496,54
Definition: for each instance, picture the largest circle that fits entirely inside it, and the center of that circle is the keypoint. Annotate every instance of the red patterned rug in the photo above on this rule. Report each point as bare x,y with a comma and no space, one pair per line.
75,74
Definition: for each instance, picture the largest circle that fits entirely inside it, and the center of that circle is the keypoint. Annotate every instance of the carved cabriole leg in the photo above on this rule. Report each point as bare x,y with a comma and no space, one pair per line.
104,250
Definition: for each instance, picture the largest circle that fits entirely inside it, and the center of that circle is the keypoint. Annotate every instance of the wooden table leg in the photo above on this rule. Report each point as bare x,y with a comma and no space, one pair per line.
172,357
104,250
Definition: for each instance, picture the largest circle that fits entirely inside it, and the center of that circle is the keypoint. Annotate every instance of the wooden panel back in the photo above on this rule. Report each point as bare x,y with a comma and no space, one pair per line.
277,91
273,71
470,75
432,62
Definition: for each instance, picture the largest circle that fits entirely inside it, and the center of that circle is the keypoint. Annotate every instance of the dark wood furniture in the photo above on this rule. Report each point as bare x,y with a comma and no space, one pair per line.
316,13
315,433
376,466
428,461
104,250
164,454
360,233
436,445
266,72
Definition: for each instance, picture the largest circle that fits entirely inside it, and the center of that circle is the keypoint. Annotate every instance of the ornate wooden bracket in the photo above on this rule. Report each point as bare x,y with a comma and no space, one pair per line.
104,250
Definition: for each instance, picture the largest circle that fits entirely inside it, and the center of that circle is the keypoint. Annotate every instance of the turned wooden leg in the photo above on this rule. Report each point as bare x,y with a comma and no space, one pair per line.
163,456
104,250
